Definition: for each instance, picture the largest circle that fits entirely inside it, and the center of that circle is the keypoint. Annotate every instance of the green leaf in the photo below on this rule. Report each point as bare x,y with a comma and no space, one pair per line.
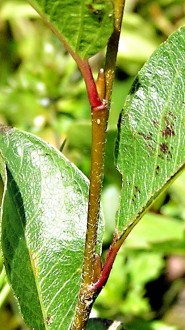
84,25
150,148
43,229
167,235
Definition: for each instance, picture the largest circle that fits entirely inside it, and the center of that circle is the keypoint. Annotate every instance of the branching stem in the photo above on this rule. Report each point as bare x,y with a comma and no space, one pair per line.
99,115
99,98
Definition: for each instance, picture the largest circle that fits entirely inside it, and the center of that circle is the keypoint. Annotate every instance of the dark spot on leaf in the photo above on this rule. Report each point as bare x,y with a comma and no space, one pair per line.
164,148
157,169
169,118
137,189
92,9
171,114
168,131
136,192
155,123
165,151
149,140
49,320
147,137
98,13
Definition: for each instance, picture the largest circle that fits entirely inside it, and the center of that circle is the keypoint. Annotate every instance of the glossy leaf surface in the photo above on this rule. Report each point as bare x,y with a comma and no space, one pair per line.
43,229
150,148
84,25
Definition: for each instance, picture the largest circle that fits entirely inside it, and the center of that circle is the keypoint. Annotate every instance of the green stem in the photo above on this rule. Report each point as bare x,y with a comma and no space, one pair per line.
110,64
99,115
86,296
99,126
112,48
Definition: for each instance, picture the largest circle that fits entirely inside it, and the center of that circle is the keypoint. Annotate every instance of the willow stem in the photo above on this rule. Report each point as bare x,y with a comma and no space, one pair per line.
112,48
86,296
99,126
99,116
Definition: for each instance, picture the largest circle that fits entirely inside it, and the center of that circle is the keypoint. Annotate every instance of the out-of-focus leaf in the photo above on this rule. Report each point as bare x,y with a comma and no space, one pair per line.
136,43
150,147
43,228
84,25
79,138
157,232
177,189
110,204
15,10
146,325
103,324
131,270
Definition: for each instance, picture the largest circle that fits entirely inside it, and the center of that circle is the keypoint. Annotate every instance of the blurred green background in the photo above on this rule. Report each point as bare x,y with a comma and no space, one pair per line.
41,91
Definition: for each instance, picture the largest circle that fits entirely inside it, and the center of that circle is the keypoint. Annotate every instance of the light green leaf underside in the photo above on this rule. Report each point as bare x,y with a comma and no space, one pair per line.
85,25
43,229
150,148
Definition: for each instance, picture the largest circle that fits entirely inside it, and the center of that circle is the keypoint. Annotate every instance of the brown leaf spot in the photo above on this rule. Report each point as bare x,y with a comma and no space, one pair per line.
137,189
135,193
92,9
157,169
49,320
155,123
164,148
147,137
168,131
98,13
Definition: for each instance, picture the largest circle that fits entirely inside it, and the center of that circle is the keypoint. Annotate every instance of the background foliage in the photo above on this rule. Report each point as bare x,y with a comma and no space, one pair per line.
41,91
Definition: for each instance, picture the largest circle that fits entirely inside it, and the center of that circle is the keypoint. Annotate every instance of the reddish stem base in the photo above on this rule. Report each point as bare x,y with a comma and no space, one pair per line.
112,253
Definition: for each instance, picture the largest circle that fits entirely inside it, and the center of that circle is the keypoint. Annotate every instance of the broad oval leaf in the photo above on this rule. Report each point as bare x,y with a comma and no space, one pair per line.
150,147
43,229
84,25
